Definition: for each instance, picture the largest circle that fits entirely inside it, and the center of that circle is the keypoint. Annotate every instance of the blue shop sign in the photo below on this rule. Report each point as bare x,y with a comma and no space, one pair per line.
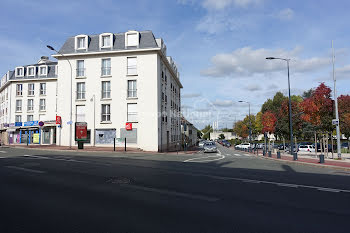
18,124
31,123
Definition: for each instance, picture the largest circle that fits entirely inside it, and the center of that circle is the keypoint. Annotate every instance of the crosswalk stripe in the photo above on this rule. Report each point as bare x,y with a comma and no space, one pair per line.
238,155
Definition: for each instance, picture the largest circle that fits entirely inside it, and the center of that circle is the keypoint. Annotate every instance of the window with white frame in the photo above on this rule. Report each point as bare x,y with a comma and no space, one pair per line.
30,89
106,40
42,105
30,118
18,105
132,39
42,70
106,112
132,89
19,72
106,67
132,112
18,118
42,88
106,89
31,71
132,65
80,68
19,89
81,42
30,105
80,113
81,91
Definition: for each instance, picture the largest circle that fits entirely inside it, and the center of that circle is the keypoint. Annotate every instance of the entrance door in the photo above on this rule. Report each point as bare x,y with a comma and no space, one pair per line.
46,136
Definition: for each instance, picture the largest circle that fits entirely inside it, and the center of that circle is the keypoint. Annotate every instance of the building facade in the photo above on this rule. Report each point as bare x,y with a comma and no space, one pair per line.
28,96
113,80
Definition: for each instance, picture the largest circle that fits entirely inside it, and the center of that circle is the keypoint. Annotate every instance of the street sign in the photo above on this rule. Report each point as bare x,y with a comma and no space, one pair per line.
128,126
58,120
80,131
335,122
69,122
41,124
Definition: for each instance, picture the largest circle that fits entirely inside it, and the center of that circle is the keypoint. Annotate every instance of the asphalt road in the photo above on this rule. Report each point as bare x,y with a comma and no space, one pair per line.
49,191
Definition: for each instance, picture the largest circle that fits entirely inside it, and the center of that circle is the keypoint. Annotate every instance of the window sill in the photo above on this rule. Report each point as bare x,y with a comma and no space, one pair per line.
42,94
105,122
19,95
80,100
42,110
131,98
31,95
106,99
80,77
106,76
18,112
132,122
30,111
132,75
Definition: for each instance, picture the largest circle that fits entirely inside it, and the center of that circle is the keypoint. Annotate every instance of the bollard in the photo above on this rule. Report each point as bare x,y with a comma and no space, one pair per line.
114,144
125,145
278,154
270,154
321,158
264,152
295,156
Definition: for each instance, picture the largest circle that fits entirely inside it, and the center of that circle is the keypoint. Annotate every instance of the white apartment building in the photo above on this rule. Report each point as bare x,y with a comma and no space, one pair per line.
28,96
111,79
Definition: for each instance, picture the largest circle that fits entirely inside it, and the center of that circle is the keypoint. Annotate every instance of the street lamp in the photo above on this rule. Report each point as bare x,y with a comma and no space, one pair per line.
295,156
250,122
71,77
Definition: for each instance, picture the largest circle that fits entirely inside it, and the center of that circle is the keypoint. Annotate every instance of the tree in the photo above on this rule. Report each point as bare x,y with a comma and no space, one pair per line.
221,136
268,122
206,132
258,122
307,94
241,129
344,114
318,109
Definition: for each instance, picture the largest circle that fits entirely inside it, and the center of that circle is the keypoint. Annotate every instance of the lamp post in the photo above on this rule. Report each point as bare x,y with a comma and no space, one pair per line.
71,77
295,156
250,122
93,131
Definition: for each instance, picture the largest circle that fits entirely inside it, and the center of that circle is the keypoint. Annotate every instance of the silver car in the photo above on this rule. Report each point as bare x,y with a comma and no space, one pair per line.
201,143
210,147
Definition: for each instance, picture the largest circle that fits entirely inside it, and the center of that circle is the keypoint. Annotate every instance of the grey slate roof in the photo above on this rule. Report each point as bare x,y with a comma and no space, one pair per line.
147,40
51,66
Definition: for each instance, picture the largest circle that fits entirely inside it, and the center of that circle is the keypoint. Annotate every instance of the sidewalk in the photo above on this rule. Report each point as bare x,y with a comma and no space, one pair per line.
97,149
306,159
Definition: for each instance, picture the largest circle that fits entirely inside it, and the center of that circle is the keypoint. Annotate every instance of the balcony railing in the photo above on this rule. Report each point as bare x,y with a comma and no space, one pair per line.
80,72
105,71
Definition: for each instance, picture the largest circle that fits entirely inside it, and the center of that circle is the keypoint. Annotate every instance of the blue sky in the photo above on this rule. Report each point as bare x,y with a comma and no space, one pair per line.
218,45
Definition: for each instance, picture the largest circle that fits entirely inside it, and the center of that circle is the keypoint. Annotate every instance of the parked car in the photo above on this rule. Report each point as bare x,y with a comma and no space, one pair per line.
345,145
244,146
210,147
306,148
329,147
201,143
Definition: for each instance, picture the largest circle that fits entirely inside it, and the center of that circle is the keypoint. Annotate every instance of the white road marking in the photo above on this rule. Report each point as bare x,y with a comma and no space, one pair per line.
2,157
172,193
329,190
199,159
1,151
67,160
238,155
25,169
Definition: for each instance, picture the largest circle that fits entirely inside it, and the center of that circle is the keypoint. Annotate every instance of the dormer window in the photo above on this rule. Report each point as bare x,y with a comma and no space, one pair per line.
31,71
106,40
42,70
19,71
81,42
132,39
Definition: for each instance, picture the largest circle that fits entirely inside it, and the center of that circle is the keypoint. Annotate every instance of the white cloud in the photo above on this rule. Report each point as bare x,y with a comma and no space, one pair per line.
285,14
222,4
343,72
247,61
253,87
223,103
190,95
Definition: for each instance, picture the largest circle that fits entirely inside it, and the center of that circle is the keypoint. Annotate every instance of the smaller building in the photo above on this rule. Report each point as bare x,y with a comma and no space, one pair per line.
189,133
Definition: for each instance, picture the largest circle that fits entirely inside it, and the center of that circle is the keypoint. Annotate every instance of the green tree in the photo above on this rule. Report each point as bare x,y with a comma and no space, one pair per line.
206,131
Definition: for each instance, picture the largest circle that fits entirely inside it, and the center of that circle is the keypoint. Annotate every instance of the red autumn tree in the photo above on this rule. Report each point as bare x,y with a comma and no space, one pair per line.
318,109
269,122
344,114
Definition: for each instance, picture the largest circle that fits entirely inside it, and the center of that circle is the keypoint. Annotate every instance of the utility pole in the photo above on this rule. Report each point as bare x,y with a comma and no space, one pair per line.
336,107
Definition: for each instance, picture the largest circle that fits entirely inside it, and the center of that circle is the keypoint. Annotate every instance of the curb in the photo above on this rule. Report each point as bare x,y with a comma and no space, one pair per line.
302,163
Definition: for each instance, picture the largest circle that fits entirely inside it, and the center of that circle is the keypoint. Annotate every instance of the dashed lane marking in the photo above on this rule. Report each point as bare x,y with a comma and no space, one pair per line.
25,169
